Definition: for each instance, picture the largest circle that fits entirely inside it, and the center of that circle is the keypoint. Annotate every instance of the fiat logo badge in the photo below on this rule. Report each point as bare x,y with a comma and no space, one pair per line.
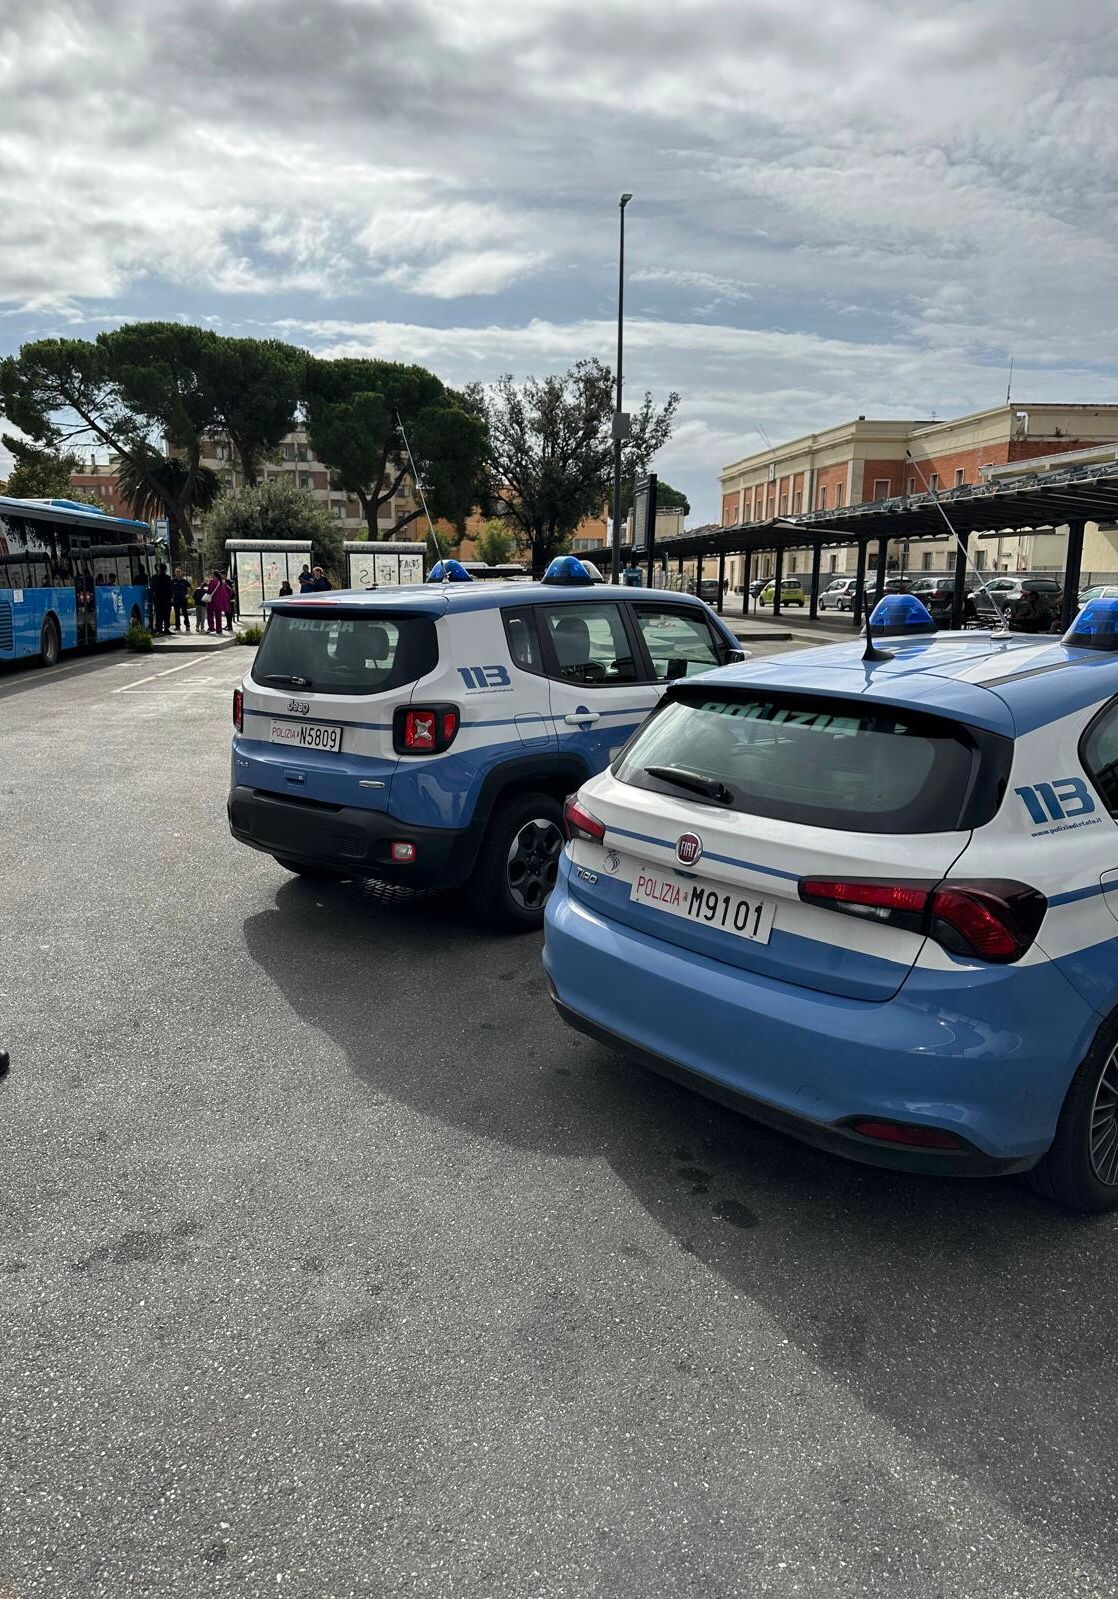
688,849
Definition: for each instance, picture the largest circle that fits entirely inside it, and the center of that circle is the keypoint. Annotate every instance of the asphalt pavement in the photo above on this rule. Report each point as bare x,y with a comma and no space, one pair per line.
333,1265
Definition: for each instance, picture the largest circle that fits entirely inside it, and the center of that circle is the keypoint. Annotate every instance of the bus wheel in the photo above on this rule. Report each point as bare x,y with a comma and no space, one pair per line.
50,645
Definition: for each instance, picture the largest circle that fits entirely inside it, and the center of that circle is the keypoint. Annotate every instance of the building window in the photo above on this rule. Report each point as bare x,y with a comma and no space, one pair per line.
822,505
881,488
784,505
959,477
838,495
306,481
926,561
933,482
834,562
289,452
910,485
797,504
791,563
980,560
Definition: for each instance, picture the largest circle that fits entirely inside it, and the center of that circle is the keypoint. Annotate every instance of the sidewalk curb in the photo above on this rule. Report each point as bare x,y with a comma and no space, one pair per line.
162,647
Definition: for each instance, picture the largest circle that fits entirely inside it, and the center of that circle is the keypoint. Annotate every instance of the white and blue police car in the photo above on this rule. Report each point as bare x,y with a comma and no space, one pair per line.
871,900
429,735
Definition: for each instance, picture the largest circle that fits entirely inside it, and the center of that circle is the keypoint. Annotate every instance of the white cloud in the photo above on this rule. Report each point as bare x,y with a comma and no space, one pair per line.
892,199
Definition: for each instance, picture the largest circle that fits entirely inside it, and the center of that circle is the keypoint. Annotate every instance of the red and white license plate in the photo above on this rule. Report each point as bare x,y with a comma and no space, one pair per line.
307,735
709,904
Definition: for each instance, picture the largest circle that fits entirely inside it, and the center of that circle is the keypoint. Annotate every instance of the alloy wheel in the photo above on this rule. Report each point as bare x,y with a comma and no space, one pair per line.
533,862
1104,1123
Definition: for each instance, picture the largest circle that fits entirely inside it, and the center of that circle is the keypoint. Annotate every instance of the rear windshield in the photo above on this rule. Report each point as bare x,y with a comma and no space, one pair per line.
827,763
343,654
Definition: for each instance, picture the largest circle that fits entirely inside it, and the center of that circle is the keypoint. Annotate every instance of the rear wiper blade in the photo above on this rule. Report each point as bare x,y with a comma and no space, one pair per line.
287,677
709,787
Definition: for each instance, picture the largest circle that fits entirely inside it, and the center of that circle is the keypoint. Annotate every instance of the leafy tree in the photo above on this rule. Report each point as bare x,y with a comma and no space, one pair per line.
40,474
254,387
354,409
118,391
274,511
151,380
550,454
495,544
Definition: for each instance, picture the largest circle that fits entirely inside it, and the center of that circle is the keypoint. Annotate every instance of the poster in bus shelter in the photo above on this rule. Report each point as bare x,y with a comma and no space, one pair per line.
274,565
250,585
361,571
387,570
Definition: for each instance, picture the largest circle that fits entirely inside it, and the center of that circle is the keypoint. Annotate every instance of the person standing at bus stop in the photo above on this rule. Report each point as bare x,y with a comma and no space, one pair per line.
180,600
200,597
162,597
217,602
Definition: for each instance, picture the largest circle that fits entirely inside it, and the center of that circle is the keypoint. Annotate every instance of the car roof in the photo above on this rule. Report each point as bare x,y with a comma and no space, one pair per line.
1008,684
445,599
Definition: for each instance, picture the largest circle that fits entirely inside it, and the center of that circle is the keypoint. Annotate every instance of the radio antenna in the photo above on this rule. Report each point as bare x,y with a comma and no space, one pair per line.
432,535
1003,625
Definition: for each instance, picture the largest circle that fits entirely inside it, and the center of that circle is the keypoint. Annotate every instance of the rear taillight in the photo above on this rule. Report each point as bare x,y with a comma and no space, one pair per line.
578,823
424,729
239,710
993,921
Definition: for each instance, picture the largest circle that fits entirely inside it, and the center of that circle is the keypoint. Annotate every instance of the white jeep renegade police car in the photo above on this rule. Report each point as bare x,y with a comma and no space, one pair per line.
430,735
873,900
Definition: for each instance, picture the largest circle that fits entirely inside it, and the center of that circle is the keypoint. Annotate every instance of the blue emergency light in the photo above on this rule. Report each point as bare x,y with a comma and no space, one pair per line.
568,569
900,616
1095,628
448,572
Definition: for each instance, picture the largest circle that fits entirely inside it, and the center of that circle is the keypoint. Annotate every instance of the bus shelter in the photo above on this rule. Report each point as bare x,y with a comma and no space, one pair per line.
371,564
261,566
1033,501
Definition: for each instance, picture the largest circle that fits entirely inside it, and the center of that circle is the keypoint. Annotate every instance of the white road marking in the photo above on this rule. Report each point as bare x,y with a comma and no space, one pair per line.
151,677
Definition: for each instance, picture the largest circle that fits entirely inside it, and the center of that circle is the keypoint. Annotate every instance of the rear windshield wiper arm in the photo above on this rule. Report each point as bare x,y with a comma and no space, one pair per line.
287,677
709,787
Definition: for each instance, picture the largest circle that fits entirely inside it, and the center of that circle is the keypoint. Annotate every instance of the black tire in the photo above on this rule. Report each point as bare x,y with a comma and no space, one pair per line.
516,868
50,643
1080,1170
320,874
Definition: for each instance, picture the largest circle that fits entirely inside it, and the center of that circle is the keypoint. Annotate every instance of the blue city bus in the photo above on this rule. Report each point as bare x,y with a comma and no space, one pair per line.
70,576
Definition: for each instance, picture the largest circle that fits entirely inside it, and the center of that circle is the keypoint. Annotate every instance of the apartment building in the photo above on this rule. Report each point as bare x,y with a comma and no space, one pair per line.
100,478
873,459
295,464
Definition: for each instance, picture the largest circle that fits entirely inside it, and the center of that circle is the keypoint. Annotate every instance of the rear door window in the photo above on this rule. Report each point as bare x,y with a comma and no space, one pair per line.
1099,751
345,653
679,643
587,644
824,762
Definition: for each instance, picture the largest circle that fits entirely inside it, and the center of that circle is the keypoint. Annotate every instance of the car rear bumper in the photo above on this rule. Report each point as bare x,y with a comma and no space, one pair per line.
347,839
810,1062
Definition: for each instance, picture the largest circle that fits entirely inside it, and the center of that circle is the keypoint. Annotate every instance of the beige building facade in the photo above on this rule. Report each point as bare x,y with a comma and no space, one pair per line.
872,459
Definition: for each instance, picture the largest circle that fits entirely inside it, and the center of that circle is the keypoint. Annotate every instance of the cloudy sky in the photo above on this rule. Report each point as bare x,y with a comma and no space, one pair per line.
840,207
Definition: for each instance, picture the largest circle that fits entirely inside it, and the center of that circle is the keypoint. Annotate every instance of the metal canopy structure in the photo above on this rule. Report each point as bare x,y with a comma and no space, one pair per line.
1070,498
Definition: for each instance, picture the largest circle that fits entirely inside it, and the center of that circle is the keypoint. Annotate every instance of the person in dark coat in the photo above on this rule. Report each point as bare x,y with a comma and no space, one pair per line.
162,597
319,581
306,580
180,600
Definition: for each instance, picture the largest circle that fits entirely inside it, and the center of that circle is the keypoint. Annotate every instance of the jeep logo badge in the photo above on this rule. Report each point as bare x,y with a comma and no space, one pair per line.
688,849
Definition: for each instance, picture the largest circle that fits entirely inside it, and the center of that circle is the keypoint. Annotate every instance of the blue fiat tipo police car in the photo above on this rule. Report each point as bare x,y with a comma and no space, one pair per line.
429,735
873,901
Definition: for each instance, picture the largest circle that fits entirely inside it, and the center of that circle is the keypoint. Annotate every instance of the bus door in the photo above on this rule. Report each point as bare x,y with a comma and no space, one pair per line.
84,592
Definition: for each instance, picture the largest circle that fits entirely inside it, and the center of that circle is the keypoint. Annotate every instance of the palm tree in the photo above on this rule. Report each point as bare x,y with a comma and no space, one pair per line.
157,485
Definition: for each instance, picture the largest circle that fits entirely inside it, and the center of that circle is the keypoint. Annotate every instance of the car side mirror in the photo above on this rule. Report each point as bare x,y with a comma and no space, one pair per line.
735,657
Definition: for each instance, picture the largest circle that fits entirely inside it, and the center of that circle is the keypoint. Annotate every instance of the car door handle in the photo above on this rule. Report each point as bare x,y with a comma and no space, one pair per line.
578,718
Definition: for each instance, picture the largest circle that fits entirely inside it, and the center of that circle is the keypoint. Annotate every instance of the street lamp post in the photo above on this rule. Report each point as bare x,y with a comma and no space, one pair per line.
620,420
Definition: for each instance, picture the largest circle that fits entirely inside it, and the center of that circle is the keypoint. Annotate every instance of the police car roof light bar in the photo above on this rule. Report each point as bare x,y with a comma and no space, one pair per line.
1095,628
